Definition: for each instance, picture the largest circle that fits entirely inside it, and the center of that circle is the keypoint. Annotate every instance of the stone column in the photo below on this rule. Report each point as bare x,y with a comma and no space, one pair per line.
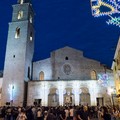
46,89
93,93
76,93
61,99
44,93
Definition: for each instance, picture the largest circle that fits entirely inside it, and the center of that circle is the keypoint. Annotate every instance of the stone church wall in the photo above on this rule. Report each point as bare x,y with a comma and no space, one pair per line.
42,65
68,63
55,93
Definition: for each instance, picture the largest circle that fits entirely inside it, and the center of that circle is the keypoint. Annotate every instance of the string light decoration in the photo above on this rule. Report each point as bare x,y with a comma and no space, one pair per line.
103,79
110,8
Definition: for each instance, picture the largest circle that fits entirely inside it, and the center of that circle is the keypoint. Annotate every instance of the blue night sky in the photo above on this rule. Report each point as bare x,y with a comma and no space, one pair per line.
60,23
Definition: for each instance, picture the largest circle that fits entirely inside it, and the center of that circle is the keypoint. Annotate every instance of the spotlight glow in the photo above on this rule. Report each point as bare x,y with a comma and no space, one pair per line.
10,91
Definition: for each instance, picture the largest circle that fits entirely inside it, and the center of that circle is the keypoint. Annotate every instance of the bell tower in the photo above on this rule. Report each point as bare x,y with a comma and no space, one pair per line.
19,54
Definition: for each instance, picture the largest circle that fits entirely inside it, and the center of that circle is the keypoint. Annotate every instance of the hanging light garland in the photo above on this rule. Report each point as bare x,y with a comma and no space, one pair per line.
103,79
111,9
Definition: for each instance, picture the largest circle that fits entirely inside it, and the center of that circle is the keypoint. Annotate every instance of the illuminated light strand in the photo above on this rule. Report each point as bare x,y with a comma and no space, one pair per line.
103,79
113,5
114,21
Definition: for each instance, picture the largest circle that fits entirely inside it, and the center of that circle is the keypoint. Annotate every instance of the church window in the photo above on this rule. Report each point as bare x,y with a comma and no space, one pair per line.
93,75
31,19
66,58
118,58
31,37
20,15
115,68
21,1
29,72
41,75
17,33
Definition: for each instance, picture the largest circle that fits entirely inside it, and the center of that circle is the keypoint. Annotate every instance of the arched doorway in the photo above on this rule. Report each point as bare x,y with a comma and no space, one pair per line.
84,96
53,97
69,98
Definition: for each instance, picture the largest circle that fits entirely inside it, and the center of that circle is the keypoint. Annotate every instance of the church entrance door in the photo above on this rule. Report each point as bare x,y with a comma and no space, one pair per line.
37,102
100,101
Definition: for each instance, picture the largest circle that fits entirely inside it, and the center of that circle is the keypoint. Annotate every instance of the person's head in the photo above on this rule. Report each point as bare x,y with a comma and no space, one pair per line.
105,109
45,113
22,110
85,108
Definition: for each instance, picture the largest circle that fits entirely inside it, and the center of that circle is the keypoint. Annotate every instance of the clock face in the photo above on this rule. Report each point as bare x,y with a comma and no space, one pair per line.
67,69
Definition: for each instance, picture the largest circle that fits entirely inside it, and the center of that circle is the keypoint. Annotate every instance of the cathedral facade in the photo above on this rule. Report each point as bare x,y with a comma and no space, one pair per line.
65,78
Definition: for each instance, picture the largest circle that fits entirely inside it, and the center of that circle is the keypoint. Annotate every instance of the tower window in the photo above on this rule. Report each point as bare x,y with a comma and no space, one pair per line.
66,58
31,37
41,75
17,33
29,72
93,75
21,1
31,19
20,15
13,56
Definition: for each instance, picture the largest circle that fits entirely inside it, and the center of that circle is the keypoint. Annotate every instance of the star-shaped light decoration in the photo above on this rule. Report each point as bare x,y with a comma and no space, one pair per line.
110,8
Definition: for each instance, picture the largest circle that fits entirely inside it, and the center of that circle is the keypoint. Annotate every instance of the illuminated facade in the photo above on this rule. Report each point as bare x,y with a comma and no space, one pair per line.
116,68
70,78
65,78
110,8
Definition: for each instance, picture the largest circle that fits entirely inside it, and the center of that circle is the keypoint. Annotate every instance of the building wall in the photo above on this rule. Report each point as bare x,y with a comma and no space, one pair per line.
67,63
18,59
116,67
43,89
68,70
42,65
1,81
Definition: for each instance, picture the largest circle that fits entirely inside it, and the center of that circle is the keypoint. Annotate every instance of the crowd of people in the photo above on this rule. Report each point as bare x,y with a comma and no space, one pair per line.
59,113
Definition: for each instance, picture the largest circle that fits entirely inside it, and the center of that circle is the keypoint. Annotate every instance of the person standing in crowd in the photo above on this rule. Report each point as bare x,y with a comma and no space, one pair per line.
15,113
22,115
50,115
39,114
9,113
3,109
106,115
100,114
62,114
45,115
67,113
71,113
83,114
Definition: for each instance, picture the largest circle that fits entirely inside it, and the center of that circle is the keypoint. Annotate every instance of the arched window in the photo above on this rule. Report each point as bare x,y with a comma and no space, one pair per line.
41,75
21,1
93,75
31,19
17,33
29,72
66,58
31,36
20,15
